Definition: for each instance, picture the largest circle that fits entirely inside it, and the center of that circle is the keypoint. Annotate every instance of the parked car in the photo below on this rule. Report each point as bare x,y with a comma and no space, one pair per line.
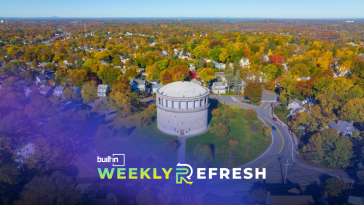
274,128
275,119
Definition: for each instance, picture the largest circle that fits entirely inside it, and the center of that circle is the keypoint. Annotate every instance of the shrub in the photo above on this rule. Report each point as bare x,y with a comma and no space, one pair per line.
203,154
251,114
234,143
215,112
267,130
171,145
220,130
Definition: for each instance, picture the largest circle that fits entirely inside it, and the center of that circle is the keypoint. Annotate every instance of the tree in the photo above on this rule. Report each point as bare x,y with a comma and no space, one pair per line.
171,145
299,70
215,112
109,74
89,93
54,189
336,187
229,76
360,173
237,83
331,149
106,106
132,72
146,197
207,74
179,72
234,143
253,91
67,94
267,130
221,130
270,72
79,77
251,114
353,110
231,153
203,154
12,68
103,132
257,195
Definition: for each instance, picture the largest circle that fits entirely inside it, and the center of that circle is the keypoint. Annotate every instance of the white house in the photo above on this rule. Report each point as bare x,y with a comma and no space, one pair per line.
58,91
218,88
244,62
46,91
24,152
292,103
192,66
343,127
102,90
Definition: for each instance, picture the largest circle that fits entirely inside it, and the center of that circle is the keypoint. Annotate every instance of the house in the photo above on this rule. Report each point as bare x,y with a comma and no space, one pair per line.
293,103
244,62
24,152
289,199
138,84
41,79
51,83
155,87
192,66
343,127
220,76
278,82
265,58
46,91
303,78
68,105
291,196
102,90
58,91
218,88
356,200
164,53
123,70
219,66
76,89
195,81
154,82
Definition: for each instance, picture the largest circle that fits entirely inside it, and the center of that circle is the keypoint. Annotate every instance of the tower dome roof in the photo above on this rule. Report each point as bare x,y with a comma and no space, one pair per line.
182,89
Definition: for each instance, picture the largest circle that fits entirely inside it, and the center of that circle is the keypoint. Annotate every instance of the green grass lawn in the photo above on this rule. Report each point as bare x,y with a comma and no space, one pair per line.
144,146
231,92
281,113
240,129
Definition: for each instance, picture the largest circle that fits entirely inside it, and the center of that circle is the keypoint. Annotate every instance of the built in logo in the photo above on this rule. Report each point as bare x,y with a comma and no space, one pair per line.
117,160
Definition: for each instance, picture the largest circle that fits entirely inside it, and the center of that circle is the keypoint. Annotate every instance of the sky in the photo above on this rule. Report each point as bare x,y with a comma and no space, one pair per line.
307,9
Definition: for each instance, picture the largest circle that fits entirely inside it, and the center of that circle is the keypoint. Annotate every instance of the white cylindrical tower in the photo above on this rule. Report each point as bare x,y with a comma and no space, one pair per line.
182,108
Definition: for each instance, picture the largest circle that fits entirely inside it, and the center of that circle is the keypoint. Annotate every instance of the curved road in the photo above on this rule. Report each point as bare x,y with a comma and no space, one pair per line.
279,159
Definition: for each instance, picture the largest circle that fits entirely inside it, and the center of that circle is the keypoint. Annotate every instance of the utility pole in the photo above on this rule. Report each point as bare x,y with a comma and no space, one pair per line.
285,176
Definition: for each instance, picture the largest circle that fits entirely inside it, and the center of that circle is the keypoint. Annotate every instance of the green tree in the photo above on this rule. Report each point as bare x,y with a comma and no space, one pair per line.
251,114
54,189
270,72
221,130
237,83
229,76
67,94
336,187
253,91
171,145
267,130
207,74
89,93
12,68
331,149
203,154
353,110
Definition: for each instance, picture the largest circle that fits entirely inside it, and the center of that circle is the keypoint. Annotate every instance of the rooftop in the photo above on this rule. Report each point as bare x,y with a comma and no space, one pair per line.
183,89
